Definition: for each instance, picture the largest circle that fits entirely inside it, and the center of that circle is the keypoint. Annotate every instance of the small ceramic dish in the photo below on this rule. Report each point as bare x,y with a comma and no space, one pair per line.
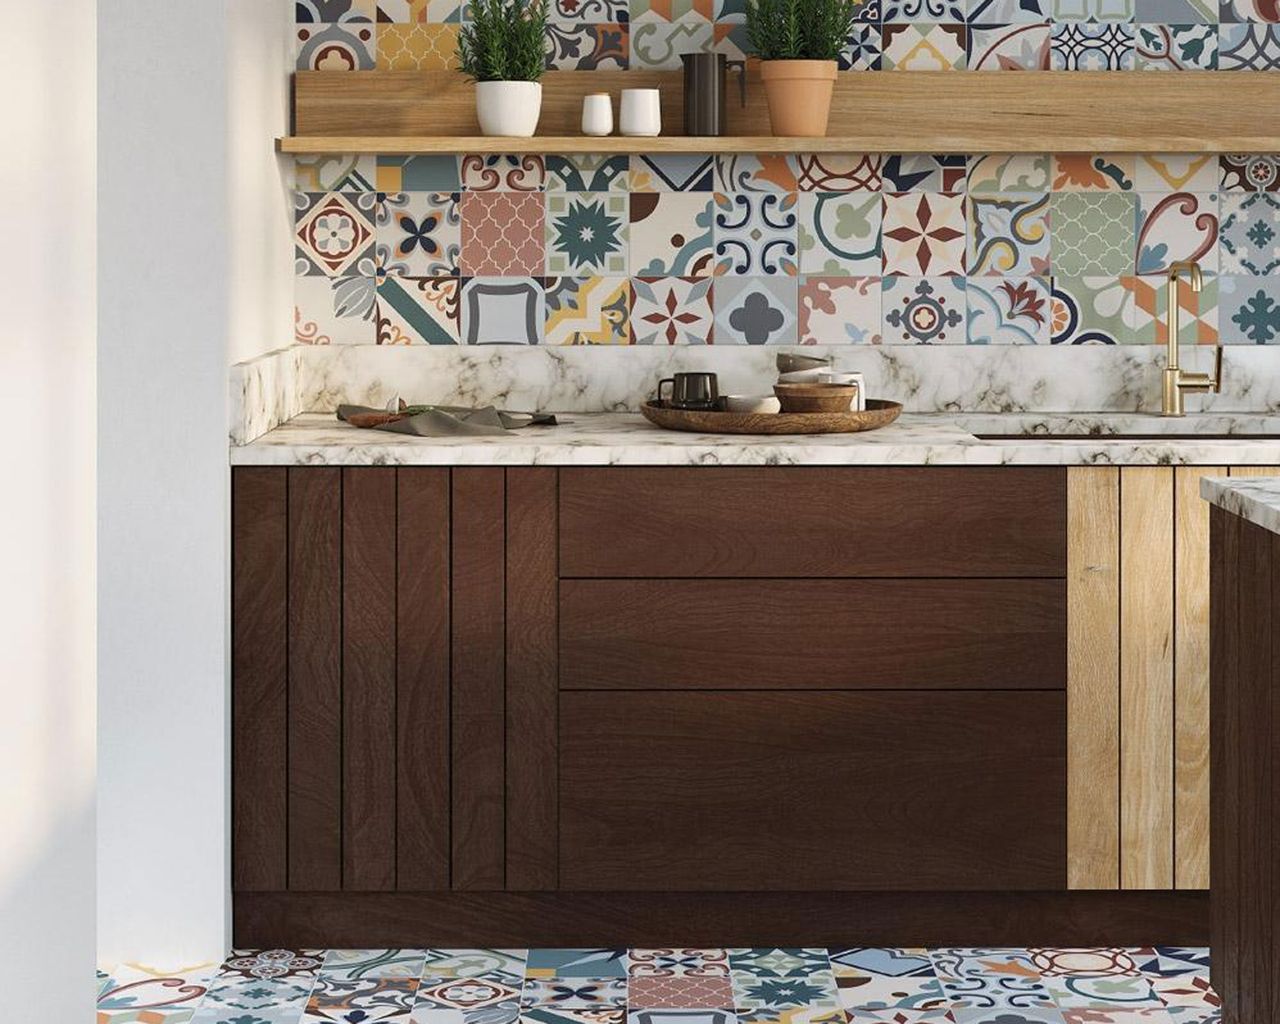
815,397
751,403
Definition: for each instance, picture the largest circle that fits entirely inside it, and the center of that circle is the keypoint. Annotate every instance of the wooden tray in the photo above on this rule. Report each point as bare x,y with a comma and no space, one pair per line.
879,413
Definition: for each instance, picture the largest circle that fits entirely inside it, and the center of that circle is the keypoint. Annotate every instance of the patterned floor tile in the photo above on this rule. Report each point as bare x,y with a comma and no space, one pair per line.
1008,1015
335,47
421,47
745,172
1177,172
256,994
991,978
1176,48
489,172
576,963
678,963
917,47
924,172
136,992
422,173
900,1016
672,172
878,979
356,964
333,232
680,992
586,172
778,963
559,1015
1009,47
689,1016
360,1000
334,172
335,311
502,233
588,47
272,963
575,992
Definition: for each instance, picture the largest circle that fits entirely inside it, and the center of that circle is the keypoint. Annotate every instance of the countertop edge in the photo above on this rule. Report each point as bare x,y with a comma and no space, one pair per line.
1255,499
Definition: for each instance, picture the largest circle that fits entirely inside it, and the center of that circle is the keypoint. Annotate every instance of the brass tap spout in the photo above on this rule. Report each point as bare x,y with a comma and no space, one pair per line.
1177,382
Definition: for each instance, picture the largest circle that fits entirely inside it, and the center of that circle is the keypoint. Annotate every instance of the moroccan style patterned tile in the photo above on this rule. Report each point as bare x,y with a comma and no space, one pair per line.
586,172
1093,10
839,233
672,172
1176,226
1192,991
920,47
1093,235
1242,172
360,1000
1177,12
1190,172
923,233
272,963
1020,47
1197,320
1008,12
839,311
497,998
990,978
1019,172
586,233
861,50
335,47
898,1016
425,173
356,964
1251,234
755,311
1007,1015
657,45
587,311
684,991
764,172
671,311
588,47
752,993
1091,46
576,963
254,994
1172,961
1249,309
673,10
334,311
602,12
1247,10
133,992
419,10
1091,311
1009,234
502,233
766,962
1093,172
756,234
1008,310
575,993
936,11
414,311
334,172
1249,47
678,963
923,310
691,1016
886,979
560,1015
491,173
924,172
1100,978
838,172
671,234
333,232
311,11
502,311
497,964
418,234
1176,48
417,47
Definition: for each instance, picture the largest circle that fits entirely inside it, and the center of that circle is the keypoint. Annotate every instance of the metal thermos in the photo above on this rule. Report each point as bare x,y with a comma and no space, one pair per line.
704,91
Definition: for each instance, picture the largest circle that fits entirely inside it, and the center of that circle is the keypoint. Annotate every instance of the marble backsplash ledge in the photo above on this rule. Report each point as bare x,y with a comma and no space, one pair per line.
272,389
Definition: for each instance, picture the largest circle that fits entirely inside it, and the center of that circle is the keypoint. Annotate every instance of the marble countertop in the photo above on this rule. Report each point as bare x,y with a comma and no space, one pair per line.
1256,499
627,439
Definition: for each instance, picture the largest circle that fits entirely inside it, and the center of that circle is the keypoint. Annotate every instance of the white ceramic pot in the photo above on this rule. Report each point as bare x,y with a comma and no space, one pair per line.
508,108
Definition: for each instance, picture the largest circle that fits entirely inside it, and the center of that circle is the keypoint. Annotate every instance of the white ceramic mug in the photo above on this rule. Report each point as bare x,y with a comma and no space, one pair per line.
641,112
597,114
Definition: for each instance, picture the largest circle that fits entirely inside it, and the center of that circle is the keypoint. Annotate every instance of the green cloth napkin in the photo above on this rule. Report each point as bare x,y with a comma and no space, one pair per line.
449,421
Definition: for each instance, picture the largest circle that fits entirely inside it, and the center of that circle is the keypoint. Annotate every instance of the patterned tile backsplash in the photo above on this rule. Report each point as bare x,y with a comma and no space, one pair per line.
811,248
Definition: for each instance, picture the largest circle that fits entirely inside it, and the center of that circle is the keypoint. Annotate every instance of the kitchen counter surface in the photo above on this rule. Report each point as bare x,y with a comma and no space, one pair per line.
627,439
1255,499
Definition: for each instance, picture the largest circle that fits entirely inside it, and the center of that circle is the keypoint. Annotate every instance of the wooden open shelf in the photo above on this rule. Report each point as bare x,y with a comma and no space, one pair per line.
898,112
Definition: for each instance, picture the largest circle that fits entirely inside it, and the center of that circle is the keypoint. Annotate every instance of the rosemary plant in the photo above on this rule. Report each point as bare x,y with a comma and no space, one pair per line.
504,41
799,29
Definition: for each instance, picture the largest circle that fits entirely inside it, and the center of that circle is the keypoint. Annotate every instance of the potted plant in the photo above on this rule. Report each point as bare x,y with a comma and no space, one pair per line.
798,43
502,48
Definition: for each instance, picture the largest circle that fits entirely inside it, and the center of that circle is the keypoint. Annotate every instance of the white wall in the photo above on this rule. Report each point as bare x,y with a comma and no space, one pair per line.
194,269
47,534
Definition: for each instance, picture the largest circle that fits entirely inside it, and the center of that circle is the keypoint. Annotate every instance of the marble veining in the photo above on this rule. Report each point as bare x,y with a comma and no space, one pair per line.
626,439
263,393
1255,499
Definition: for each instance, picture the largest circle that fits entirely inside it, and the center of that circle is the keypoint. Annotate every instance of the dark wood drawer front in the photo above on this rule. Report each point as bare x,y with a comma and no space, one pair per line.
742,791
804,634
776,521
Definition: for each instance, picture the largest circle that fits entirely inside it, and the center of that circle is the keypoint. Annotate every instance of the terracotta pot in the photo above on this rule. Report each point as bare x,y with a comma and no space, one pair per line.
799,95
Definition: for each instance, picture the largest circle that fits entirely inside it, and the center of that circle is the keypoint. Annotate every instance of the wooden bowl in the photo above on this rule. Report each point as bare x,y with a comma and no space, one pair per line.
815,397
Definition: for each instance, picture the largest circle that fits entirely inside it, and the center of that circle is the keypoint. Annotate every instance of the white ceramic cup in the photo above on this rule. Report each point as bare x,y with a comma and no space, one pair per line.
641,112
597,114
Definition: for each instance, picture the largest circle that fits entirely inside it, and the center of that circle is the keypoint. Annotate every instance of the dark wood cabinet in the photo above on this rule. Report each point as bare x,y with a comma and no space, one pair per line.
479,705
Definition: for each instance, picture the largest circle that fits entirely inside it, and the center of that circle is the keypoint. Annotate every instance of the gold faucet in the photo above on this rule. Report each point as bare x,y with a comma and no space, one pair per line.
1178,381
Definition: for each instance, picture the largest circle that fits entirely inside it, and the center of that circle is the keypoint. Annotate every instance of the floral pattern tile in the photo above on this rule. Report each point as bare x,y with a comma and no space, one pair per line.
765,172
587,311
1094,172
922,47
1249,309
756,234
333,232
1093,235
1243,172
588,47
1176,48
839,233
755,311
414,311
574,993
671,311
499,964
334,311
591,11
886,979
1177,226
1018,172
418,234
861,51
678,963
923,310
1009,234
923,233
502,311
982,979
1008,310
1251,234
502,233
586,233
839,310
671,234
360,999
1017,47
335,47
923,10
657,45
492,173
1091,310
